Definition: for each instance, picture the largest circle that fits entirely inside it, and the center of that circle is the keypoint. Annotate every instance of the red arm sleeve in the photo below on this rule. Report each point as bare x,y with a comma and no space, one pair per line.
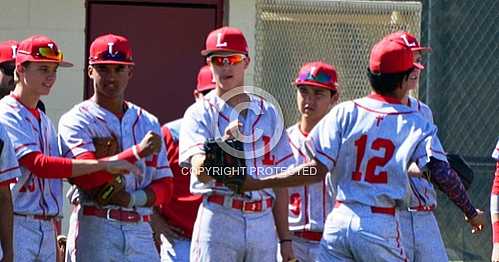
8,182
100,178
495,186
163,190
47,166
93,180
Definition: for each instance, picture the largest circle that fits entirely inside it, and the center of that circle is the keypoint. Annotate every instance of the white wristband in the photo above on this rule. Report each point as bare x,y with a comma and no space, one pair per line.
139,198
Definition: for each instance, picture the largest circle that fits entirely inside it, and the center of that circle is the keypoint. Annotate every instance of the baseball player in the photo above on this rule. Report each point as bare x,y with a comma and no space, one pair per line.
9,172
316,94
369,143
494,207
8,51
37,194
235,227
7,65
110,218
175,222
421,236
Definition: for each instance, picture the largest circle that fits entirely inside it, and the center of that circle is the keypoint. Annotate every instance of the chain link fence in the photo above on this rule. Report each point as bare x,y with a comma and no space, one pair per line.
460,83
290,33
462,88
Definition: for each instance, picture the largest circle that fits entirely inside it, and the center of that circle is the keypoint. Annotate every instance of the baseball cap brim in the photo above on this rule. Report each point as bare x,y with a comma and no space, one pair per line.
314,84
111,62
208,52
419,66
421,48
28,58
7,60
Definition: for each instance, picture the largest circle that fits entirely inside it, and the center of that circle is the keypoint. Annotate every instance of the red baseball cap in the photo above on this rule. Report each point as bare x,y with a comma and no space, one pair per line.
408,40
389,56
318,74
205,79
40,48
111,49
8,51
225,39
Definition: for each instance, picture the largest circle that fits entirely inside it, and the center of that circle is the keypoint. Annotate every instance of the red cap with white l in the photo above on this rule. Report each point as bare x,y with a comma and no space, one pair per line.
8,51
389,56
226,39
40,48
318,74
205,79
111,49
408,40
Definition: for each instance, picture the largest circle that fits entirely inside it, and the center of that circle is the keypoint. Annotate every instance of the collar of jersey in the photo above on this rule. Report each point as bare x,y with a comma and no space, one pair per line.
256,101
385,99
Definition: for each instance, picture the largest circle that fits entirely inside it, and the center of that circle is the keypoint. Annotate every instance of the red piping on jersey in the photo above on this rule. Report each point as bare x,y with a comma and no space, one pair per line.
324,154
8,169
284,158
253,135
77,146
386,99
299,151
383,113
216,109
305,208
25,145
134,125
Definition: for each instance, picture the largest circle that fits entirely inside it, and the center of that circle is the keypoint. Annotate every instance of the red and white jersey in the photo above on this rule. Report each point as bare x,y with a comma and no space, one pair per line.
495,154
9,167
309,205
31,195
369,143
423,193
87,120
209,118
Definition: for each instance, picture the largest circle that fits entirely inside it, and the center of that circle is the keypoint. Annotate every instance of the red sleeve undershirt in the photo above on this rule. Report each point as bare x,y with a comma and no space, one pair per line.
93,180
163,190
47,166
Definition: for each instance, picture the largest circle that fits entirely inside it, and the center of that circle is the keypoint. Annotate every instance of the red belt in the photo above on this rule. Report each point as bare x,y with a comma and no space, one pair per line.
254,206
309,235
380,210
422,208
37,217
115,214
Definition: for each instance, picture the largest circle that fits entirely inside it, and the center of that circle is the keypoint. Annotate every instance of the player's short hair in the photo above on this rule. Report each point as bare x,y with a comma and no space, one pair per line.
386,83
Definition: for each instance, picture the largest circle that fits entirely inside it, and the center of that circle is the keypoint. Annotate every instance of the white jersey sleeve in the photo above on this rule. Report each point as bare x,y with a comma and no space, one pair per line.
193,133
325,138
495,154
9,168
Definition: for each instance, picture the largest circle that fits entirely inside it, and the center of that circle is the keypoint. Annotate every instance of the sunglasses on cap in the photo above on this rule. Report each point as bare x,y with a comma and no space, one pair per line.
45,52
8,68
116,56
320,77
226,60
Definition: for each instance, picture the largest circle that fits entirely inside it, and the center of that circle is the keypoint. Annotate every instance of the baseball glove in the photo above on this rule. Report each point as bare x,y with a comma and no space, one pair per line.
463,169
105,146
223,166
103,197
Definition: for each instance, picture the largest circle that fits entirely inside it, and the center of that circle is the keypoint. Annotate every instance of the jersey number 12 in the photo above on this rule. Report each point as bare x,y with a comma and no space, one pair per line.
373,162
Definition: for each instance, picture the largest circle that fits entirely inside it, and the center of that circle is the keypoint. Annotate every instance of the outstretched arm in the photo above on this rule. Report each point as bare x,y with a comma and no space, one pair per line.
307,173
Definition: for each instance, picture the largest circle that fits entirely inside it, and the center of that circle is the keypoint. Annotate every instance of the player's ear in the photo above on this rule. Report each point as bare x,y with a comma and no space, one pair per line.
247,61
90,70
130,71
